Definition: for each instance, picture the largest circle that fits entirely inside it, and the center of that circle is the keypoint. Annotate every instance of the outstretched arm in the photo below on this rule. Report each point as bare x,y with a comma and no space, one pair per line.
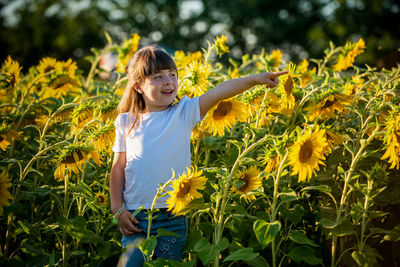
233,87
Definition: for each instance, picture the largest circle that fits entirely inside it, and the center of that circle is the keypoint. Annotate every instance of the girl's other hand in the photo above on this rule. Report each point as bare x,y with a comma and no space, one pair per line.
126,226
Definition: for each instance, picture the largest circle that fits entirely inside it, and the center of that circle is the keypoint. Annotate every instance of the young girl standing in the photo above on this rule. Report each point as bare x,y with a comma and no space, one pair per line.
152,137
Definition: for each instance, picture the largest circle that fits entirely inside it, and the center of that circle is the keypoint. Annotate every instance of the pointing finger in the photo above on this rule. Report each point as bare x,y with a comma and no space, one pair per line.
278,73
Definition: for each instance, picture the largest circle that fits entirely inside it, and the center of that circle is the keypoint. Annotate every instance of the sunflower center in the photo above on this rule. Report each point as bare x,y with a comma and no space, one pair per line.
289,85
184,189
70,158
101,199
329,103
306,151
222,110
48,69
195,77
244,179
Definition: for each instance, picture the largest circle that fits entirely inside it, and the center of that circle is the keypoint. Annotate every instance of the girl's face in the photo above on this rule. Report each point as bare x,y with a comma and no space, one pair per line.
159,90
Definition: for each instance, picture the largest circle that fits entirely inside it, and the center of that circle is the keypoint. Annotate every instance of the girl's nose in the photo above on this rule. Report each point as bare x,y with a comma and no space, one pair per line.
168,80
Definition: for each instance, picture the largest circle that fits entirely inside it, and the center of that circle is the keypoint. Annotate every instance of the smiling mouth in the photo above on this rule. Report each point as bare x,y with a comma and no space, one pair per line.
167,92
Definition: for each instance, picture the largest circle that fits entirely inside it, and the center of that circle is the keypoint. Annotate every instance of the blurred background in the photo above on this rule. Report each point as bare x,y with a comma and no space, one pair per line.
33,29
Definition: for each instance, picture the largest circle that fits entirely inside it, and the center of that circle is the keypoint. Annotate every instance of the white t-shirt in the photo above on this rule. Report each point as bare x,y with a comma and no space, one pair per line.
160,143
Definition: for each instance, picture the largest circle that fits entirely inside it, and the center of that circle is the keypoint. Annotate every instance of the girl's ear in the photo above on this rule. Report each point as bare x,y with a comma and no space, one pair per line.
136,87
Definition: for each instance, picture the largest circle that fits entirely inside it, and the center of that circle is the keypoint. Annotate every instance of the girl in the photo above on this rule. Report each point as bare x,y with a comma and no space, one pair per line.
152,136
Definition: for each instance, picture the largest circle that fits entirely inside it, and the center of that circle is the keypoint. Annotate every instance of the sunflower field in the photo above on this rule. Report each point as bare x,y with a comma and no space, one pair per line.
305,173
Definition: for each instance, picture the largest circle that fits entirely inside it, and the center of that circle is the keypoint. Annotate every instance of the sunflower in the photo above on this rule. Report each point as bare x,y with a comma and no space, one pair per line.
83,114
220,45
198,132
10,71
46,65
250,181
286,87
272,160
195,82
127,49
5,196
107,111
306,74
73,158
393,150
264,119
332,140
233,73
182,60
103,138
64,115
185,188
41,120
353,87
392,139
307,153
276,58
328,105
101,198
8,135
350,51
60,85
254,101
224,115
68,67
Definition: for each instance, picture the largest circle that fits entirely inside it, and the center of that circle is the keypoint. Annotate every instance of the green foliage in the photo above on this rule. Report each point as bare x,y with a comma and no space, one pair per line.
343,214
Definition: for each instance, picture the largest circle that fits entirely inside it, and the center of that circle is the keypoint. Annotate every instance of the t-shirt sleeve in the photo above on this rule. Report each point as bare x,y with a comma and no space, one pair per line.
191,109
120,138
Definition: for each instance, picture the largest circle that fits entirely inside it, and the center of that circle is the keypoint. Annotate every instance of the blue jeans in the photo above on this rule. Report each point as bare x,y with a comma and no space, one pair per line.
168,247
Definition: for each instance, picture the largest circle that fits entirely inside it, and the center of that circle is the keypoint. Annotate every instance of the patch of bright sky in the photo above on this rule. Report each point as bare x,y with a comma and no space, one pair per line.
329,9
305,6
355,4
8,12
190,8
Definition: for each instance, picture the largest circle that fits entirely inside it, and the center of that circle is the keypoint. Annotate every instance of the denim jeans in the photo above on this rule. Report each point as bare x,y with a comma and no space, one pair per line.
168,247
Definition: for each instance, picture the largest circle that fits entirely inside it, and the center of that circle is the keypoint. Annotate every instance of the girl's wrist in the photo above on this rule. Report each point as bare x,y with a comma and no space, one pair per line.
118,214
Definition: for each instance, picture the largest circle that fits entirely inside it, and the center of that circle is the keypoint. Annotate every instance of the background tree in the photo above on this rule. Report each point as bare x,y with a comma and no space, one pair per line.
32,29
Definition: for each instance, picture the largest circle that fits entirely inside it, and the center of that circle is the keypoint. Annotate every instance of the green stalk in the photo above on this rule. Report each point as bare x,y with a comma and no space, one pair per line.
157,196
65,211
364,217
94,65
326,59
345,192
196,150
274,205
219,214
302,102
23,174
261,108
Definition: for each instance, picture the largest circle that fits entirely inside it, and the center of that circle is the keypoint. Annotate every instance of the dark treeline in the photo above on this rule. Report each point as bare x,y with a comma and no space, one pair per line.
32,29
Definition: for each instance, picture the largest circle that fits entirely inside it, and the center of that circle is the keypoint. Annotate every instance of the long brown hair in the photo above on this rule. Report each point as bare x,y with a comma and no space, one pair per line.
146,61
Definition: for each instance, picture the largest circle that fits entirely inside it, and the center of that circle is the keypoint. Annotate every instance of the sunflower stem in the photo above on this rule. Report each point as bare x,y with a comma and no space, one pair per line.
65,212
261,109
160,190
302,102
61,108
219,214
196,150
94,65
345,189
274,205
22,175
326,59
